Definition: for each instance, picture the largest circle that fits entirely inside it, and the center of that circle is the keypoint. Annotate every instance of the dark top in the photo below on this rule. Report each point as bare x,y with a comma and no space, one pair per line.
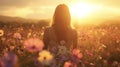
50,39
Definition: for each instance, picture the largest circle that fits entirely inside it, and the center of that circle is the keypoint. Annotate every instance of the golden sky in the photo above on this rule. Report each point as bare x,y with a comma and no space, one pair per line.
44,9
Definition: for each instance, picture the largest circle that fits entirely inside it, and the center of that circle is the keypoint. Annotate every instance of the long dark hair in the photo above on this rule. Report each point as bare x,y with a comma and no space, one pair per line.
61,22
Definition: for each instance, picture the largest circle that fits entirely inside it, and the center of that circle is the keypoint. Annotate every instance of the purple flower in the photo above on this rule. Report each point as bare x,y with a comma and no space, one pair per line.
9,59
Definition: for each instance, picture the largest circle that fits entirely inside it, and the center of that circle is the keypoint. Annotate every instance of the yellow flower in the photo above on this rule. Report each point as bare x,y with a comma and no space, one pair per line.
1,32
29,34
45,57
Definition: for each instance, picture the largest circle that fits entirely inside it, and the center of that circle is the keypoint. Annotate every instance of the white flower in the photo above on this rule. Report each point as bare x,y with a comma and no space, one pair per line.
105,62
103,46
42,33
45,57
115,63
29,34
62,50
92,64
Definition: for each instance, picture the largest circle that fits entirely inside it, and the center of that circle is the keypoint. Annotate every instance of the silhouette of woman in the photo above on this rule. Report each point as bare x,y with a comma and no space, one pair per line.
60,32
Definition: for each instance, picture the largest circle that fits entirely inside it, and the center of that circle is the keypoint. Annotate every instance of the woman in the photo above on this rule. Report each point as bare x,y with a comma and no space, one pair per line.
61,32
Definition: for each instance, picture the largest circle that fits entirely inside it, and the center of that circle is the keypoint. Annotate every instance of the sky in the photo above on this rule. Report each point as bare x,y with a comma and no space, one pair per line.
29,8
44,9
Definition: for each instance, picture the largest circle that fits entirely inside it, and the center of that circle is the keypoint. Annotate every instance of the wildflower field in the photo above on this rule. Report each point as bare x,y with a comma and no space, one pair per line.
21,45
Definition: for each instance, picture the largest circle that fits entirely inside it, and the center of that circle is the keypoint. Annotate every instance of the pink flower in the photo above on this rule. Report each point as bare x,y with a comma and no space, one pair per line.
1,64
80,55
12,47
17,35
69,64
77,53
33,44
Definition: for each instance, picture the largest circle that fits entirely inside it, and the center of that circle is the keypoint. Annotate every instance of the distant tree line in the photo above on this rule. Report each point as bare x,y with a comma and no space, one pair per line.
41,23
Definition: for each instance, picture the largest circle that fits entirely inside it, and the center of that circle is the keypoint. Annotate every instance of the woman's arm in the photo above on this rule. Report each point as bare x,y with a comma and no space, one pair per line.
45,39
75,39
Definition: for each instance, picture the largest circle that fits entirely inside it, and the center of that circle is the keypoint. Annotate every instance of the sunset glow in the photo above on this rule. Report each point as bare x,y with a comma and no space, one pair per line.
84,11
59,33
81,10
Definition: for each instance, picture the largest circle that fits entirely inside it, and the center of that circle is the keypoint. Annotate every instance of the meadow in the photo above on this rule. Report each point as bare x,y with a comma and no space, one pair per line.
99,46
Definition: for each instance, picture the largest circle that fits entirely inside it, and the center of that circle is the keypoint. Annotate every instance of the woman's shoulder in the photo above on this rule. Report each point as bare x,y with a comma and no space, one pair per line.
73,30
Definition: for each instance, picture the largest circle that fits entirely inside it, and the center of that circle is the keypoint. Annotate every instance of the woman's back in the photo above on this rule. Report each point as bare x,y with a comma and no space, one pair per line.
60,38
51,39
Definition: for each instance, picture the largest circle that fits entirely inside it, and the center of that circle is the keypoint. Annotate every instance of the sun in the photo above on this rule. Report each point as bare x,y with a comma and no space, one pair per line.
81,10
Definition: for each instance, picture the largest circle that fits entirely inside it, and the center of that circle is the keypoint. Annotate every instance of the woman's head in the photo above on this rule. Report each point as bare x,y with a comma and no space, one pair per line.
62,21
62,16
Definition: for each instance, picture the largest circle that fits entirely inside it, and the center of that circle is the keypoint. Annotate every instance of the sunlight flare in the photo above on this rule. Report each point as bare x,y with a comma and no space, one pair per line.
81,10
